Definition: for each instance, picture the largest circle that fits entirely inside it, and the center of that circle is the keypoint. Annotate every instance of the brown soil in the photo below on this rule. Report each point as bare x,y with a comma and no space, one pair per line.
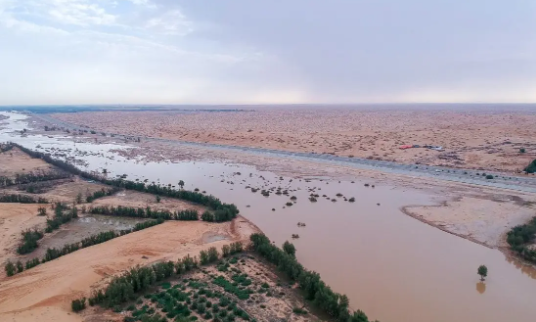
14,219
15,161
44,293
471,139
142,200
54,284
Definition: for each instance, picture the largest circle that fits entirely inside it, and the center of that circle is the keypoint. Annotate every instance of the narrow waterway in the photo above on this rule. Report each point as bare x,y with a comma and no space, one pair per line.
391,266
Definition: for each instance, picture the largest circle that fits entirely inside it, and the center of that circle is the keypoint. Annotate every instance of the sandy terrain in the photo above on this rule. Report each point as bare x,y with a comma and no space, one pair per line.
15,218
479,139
142,200
481,219
15,161
45,292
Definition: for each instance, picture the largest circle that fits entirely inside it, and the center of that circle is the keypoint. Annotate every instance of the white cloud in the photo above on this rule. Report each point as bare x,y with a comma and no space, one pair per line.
79,12
170,23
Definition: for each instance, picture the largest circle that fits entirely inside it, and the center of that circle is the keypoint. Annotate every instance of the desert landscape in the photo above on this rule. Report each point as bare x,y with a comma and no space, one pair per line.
46,292
477,138
284,198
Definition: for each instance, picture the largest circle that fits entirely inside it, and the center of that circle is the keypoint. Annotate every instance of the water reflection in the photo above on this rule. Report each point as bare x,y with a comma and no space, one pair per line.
481,287
525,268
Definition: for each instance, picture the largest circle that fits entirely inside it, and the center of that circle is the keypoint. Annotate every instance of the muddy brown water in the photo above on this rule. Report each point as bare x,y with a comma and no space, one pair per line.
390,265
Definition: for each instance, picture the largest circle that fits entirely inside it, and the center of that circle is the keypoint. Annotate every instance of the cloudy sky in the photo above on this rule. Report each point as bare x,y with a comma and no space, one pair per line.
266,51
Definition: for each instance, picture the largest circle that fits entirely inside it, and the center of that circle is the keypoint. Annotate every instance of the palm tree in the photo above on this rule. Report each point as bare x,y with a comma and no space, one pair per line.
181,184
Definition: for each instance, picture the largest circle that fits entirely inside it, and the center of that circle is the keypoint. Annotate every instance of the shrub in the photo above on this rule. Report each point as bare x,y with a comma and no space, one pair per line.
78,305
489,176
298,310
531,168
10,269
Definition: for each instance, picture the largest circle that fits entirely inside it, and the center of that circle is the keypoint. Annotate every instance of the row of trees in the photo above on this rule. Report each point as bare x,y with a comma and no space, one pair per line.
4,147
315,290
137,279
219,215
30,237
99,194
62,215
230,210
22,199
23,178
518,238
53,253
144,213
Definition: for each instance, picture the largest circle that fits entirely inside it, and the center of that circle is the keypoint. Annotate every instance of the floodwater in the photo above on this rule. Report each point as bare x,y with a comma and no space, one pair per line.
390,265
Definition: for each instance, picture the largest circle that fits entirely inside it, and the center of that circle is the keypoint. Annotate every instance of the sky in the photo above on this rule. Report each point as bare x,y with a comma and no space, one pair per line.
55,52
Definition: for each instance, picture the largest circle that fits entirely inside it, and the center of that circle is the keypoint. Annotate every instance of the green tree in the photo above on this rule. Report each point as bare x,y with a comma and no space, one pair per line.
158,199
212,254
483,272
203,257
289,249
20,267
225,250
78,305
10,269
181,184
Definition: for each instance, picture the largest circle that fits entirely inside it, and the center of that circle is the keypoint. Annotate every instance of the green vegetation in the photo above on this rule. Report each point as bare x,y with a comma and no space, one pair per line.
520,236
489,176
53,253
229,210
298,310
10,268
60,217
78,304
144,213
101,193
289,249
24,178
531,168
333,304
483,272
22,199
522,150
30,238
219,215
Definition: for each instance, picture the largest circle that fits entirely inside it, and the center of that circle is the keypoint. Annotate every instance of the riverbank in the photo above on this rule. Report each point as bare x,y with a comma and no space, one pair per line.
406,270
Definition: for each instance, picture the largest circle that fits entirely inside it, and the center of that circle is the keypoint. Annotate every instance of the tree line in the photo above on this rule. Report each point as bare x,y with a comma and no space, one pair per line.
124,288
228,211
333,304
60,216
22,199
144,213
4,147
53,253
101,193
24,178
518,238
